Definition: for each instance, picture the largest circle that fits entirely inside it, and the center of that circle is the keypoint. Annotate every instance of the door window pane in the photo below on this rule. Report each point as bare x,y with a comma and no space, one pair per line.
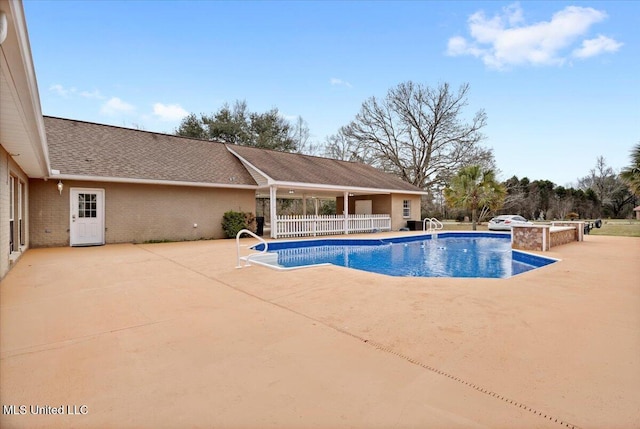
87,205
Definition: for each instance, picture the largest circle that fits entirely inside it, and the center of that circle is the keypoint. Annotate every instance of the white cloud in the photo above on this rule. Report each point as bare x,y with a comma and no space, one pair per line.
504,40
68,92
59,89
289,118
169,112
597,46
92,94
339,82
115,106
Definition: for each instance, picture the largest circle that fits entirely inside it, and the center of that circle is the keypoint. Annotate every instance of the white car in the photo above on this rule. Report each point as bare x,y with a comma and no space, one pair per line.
505,222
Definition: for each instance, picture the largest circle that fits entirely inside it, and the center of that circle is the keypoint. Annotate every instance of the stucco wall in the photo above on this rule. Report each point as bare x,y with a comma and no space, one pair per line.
397,221
386,204
9,167
380,204
137,213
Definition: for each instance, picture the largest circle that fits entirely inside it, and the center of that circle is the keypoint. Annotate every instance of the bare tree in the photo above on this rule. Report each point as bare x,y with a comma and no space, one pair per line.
611,190
417,133
302,136
340,146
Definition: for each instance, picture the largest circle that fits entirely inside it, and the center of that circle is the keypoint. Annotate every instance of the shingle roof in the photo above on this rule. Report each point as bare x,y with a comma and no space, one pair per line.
292,167
89,149
80,148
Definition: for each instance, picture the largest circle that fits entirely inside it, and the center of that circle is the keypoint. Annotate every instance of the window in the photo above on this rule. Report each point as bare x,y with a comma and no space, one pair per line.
87,205
21,209
12,183
406,208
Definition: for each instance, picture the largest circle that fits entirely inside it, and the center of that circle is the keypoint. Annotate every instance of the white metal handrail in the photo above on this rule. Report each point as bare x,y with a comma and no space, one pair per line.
246,231
434,224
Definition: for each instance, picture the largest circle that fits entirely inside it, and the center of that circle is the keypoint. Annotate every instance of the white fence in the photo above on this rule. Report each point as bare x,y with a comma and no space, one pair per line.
299,226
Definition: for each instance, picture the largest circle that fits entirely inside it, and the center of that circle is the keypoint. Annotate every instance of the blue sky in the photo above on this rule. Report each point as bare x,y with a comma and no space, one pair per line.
559,81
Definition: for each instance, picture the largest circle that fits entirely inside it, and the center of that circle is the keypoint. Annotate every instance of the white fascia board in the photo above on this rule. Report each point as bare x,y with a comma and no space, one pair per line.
320,187
37,129
148,181
270,181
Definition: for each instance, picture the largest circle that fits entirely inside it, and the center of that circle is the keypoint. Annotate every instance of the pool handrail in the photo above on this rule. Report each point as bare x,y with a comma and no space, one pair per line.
434,224
251,233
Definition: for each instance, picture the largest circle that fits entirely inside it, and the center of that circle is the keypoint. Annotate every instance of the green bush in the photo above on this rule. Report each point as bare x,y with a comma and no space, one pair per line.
233,222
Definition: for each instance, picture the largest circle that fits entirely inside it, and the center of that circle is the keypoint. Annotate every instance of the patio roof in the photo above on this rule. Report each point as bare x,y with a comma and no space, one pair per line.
321,176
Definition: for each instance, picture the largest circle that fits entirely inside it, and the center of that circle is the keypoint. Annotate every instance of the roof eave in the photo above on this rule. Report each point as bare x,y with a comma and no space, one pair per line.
79,177
335,188
17,59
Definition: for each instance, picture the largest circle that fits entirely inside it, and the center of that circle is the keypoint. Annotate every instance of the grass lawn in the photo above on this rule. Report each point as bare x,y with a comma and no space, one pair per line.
463,226
613,227
618,227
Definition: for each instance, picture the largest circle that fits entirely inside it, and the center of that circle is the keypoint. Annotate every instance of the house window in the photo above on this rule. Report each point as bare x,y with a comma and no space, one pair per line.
21,208
11,213
406,208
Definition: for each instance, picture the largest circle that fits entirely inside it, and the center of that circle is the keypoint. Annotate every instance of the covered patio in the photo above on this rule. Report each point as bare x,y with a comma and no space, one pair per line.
366,199
357,215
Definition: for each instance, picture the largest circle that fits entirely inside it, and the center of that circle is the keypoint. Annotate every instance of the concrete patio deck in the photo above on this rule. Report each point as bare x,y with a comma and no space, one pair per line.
173,336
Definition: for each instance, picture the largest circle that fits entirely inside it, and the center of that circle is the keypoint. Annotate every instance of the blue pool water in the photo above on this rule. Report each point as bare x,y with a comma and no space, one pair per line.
450,255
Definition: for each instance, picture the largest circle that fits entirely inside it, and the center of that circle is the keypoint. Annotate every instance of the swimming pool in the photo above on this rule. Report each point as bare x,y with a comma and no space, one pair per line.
445,255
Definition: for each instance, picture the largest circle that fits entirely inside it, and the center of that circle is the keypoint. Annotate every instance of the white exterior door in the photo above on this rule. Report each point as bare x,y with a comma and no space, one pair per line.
87,217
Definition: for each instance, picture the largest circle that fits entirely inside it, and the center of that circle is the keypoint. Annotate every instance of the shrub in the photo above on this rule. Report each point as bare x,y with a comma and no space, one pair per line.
250,221
233,222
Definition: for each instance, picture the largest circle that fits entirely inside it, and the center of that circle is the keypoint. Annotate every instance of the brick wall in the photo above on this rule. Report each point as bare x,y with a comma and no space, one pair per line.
578,225
563,237
535,237
4,213
137,213
543,237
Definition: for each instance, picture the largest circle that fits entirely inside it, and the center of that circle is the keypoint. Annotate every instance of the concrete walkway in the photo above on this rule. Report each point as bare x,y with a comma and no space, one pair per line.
172,336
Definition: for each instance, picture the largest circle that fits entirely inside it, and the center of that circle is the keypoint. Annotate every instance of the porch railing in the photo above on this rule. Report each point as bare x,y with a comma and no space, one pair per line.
310,225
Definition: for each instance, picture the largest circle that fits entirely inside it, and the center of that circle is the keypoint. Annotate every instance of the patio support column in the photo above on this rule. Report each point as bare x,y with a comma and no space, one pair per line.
272,211
346,212
315,203
304,204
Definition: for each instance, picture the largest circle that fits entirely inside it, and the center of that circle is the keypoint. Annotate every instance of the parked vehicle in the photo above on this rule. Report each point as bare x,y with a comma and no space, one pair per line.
505,222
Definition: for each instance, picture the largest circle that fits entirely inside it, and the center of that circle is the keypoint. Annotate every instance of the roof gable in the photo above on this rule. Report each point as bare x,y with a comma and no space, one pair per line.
79,148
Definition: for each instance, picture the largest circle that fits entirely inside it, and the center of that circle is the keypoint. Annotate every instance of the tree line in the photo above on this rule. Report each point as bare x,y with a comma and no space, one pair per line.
420,134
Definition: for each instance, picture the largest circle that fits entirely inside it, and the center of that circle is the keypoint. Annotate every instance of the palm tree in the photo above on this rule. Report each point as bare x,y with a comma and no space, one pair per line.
631,174
472,189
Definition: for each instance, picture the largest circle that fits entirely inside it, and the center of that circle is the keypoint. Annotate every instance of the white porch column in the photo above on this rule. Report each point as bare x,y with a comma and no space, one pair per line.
315,203
304,204
346,212
272,211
